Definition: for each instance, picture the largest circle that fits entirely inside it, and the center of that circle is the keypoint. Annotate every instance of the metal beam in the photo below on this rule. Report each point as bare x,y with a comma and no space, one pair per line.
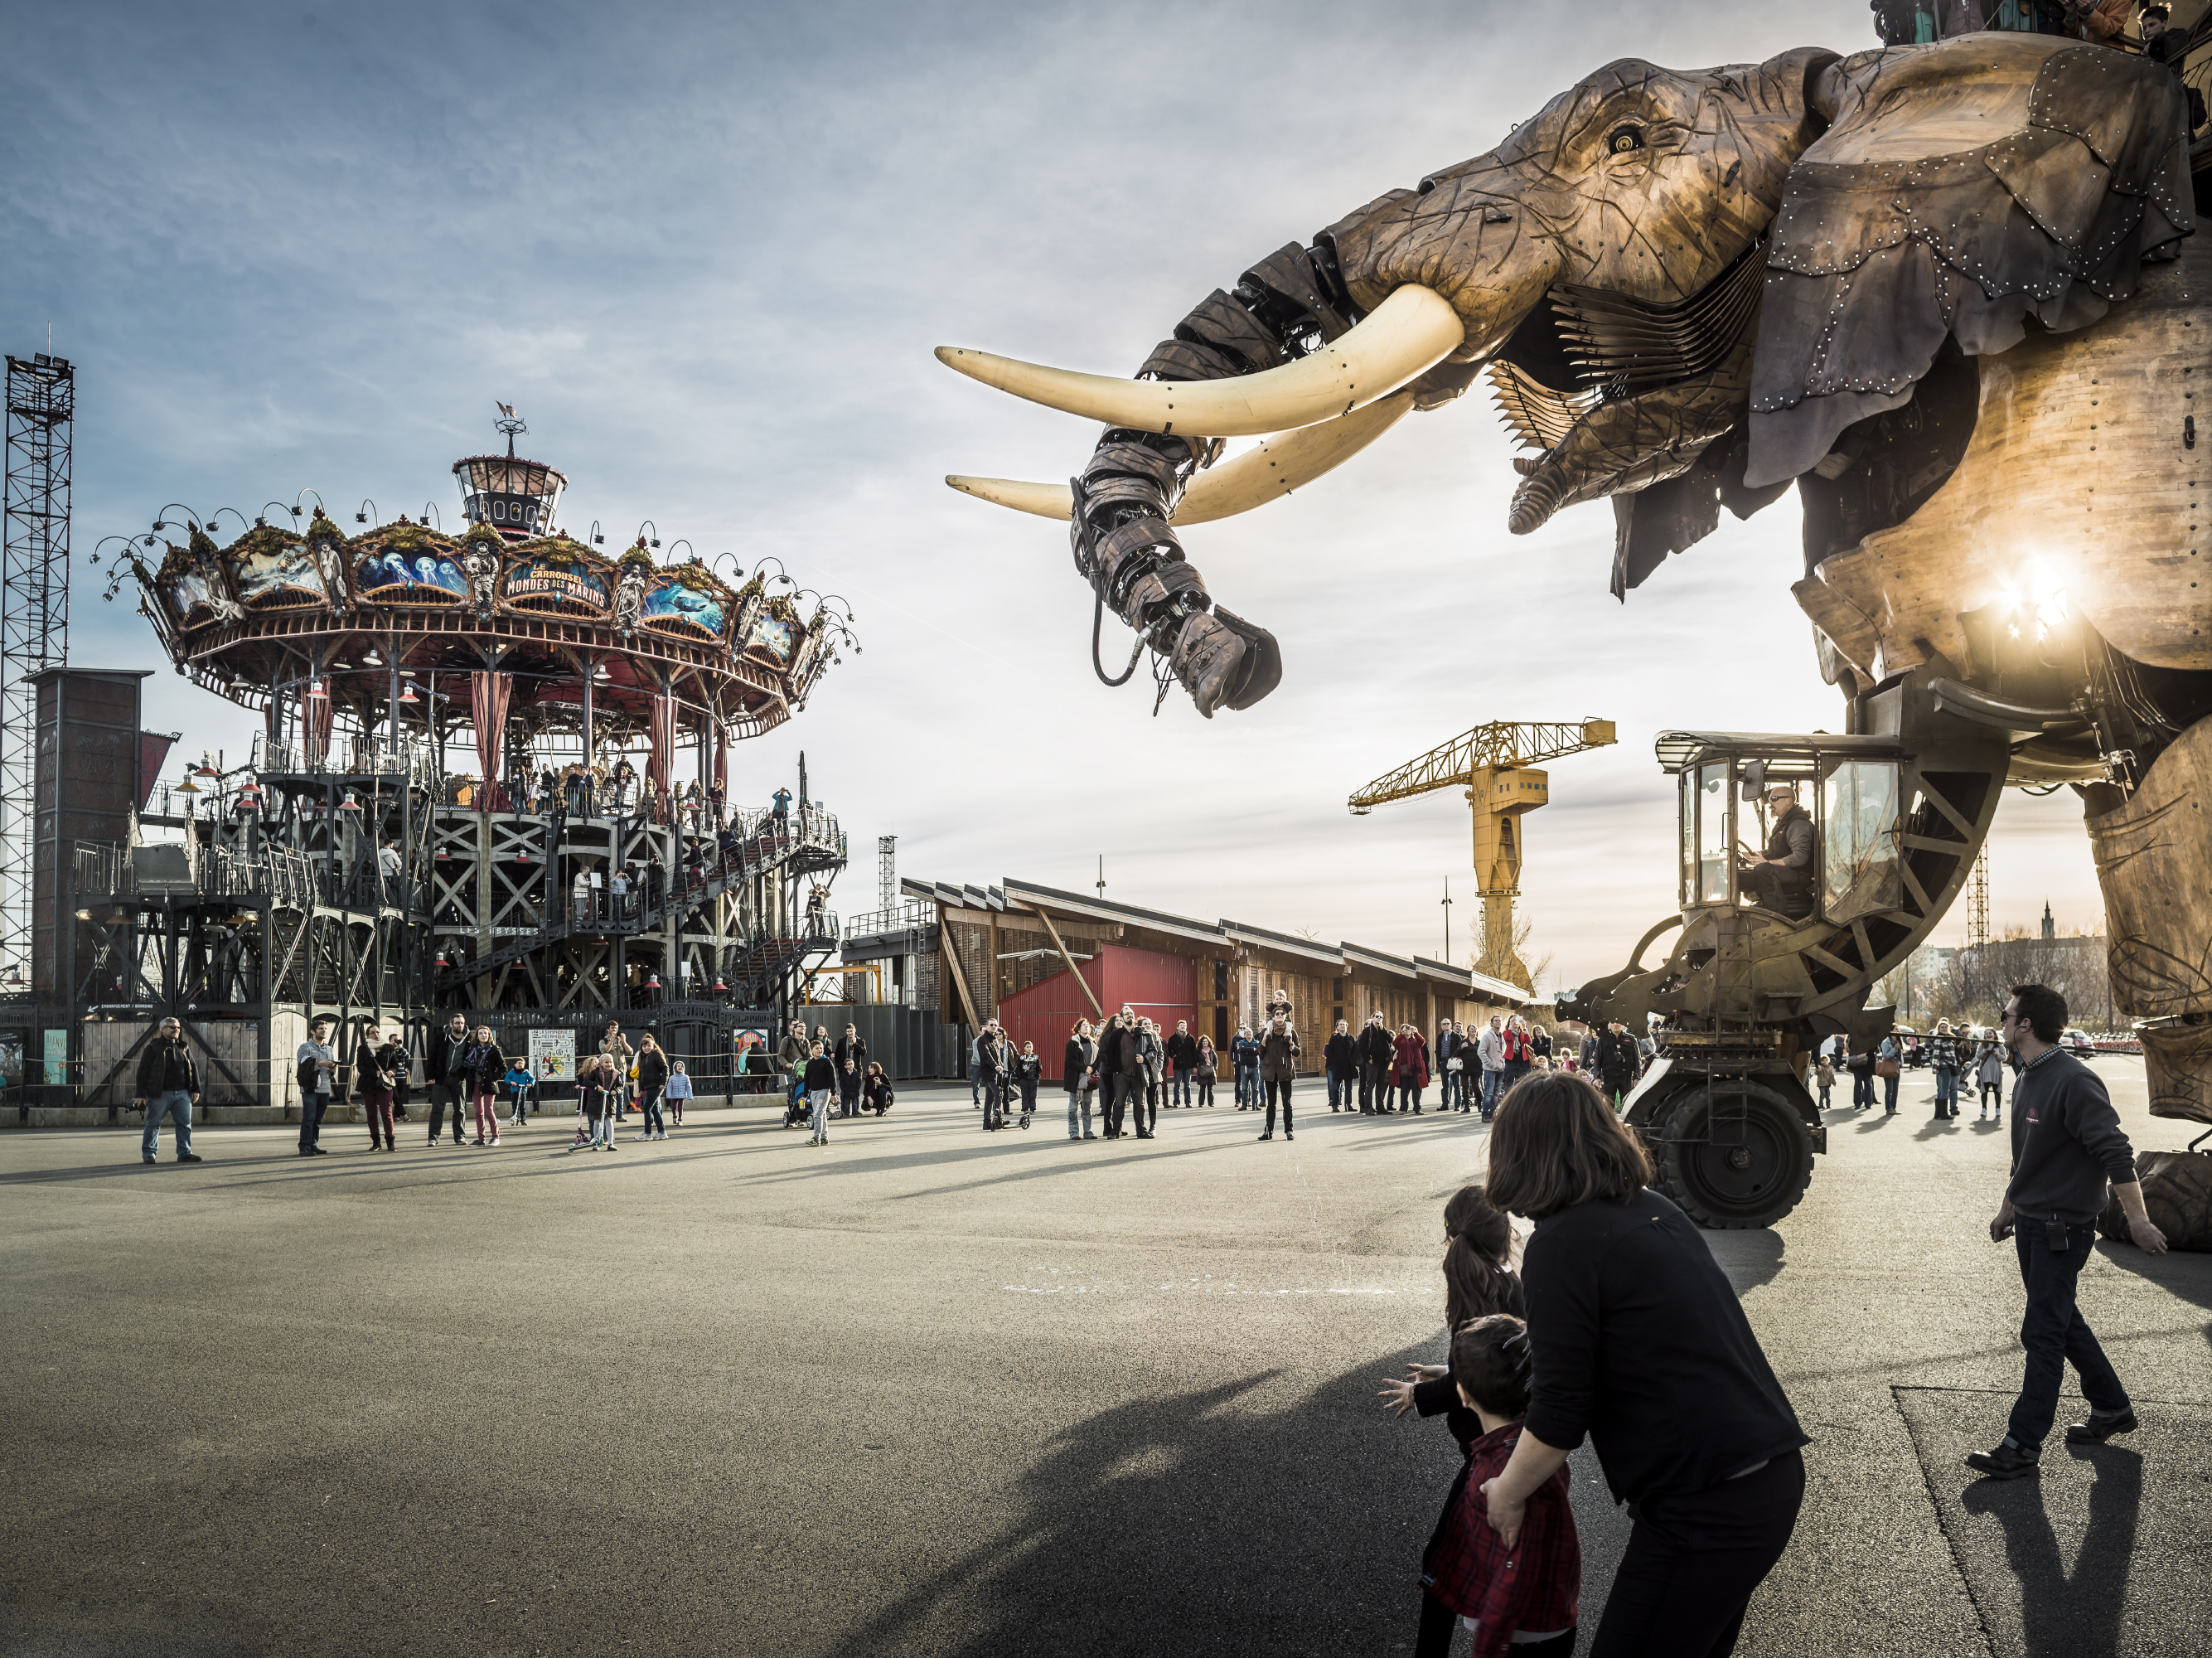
952,966
1053,933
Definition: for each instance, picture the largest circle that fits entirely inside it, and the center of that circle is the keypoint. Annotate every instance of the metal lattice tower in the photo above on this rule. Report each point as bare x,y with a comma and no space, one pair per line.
1978,924
886,872
33,616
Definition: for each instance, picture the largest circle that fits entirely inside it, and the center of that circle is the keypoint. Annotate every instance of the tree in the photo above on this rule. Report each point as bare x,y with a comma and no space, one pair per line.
1538,966
2075,966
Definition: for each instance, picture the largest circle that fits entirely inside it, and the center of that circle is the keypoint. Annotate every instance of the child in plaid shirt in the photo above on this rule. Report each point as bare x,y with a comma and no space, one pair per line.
1521,1601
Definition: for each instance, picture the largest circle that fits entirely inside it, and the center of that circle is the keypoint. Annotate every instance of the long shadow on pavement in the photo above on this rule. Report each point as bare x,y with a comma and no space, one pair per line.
2070,1614
1194,1523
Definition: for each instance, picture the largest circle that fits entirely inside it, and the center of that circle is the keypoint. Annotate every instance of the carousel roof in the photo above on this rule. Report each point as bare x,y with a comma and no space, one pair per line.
405,601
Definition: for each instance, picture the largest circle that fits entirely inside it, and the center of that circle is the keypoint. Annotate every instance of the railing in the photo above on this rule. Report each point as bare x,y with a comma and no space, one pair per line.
410,759
292,880
98,869
903,916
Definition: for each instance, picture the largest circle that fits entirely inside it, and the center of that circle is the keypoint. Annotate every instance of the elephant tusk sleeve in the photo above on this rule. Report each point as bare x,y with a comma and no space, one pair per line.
1409,332
1267,471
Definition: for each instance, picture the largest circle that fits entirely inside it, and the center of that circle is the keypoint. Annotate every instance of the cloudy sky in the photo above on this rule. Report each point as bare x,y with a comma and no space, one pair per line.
706,250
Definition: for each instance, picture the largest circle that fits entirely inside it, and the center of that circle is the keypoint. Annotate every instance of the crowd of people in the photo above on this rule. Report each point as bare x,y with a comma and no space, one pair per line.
1955,1056
1117,1077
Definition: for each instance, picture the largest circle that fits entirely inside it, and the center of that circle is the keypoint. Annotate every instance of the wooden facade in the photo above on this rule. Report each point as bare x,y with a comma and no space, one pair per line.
1038,959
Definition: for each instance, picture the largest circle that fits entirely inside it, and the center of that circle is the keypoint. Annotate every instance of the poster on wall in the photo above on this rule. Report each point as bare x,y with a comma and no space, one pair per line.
11,1059
750,1050
553,1057
55,1053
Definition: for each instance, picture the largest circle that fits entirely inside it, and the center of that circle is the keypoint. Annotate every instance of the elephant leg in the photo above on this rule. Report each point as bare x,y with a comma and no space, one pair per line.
2154,862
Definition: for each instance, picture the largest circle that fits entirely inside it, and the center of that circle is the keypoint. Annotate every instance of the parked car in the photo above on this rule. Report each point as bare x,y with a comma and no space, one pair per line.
2075,1041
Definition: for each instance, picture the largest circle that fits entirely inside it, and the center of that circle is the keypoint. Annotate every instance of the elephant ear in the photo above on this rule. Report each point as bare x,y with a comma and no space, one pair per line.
1960,188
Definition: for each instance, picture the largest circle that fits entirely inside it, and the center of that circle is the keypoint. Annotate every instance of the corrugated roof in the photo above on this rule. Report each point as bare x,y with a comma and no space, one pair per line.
1269,937
1105,910
1015,894
1387,962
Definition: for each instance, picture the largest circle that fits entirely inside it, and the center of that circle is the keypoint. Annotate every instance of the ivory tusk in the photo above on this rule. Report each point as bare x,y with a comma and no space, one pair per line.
1266,473
1409,332
1044,500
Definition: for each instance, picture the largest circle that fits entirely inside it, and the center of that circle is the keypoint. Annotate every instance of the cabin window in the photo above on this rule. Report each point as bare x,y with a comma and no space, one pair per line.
1859,855
1716,841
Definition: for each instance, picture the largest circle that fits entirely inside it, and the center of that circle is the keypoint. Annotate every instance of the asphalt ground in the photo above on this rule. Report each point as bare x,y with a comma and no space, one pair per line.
931,1391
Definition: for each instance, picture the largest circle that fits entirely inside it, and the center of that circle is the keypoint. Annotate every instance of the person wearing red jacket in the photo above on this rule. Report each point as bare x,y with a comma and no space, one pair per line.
1411,1068
1520,1597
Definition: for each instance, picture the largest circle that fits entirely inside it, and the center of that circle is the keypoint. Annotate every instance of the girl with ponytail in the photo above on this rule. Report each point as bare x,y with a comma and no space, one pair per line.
1480,1281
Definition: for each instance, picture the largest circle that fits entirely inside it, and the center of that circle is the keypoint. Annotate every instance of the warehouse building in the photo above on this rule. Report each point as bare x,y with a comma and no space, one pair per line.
1038,959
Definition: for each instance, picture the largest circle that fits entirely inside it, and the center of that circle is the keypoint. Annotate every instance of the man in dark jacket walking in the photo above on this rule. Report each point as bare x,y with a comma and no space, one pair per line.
1155,1059
1340,1057
1121,1070
1182,1054
1377,1054
2066,1143
991,1064
1449,1043
1616,1060
447,1070
169,1086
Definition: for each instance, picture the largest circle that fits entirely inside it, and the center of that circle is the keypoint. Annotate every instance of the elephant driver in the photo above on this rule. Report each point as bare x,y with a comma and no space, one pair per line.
1783,879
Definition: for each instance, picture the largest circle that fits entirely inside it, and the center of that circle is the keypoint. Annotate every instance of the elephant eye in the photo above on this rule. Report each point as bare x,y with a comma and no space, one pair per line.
1623,139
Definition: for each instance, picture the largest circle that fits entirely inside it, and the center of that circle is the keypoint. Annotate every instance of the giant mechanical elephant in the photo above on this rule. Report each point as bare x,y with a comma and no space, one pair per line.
1945,290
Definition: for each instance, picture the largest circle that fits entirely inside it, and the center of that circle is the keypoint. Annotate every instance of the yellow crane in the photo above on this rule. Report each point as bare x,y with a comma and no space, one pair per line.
1496,764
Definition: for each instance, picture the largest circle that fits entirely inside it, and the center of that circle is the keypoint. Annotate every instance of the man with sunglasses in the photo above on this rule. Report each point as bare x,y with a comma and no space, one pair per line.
2066,1143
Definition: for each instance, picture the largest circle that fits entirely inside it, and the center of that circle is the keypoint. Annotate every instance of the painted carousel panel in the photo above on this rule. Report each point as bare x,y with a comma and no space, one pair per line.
275,570
684,610
400,576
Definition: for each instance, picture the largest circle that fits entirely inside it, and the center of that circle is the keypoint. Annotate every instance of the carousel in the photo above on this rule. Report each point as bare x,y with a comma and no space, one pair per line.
494,774
533,646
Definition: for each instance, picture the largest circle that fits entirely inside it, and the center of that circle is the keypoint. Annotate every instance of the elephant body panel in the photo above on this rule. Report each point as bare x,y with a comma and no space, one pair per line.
2079,479
2155,863
1963,189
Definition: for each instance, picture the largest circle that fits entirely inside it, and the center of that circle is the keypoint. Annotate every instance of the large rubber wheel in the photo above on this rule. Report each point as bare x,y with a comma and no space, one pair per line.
1733,1154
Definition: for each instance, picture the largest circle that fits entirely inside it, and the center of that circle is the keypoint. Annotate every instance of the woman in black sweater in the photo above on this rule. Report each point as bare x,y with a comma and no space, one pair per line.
1640,1342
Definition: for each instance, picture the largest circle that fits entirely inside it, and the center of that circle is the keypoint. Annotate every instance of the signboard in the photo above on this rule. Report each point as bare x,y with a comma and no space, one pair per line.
55,1052
553,1057
11,1059
554,583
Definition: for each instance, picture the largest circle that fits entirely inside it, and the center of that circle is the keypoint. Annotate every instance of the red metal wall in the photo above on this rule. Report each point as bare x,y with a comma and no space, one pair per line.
1160,987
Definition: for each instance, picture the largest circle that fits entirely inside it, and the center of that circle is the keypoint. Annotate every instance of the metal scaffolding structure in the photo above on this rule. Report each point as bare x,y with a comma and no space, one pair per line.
34,619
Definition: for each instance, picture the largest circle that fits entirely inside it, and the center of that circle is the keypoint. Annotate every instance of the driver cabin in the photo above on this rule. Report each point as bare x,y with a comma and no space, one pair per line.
1850,785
